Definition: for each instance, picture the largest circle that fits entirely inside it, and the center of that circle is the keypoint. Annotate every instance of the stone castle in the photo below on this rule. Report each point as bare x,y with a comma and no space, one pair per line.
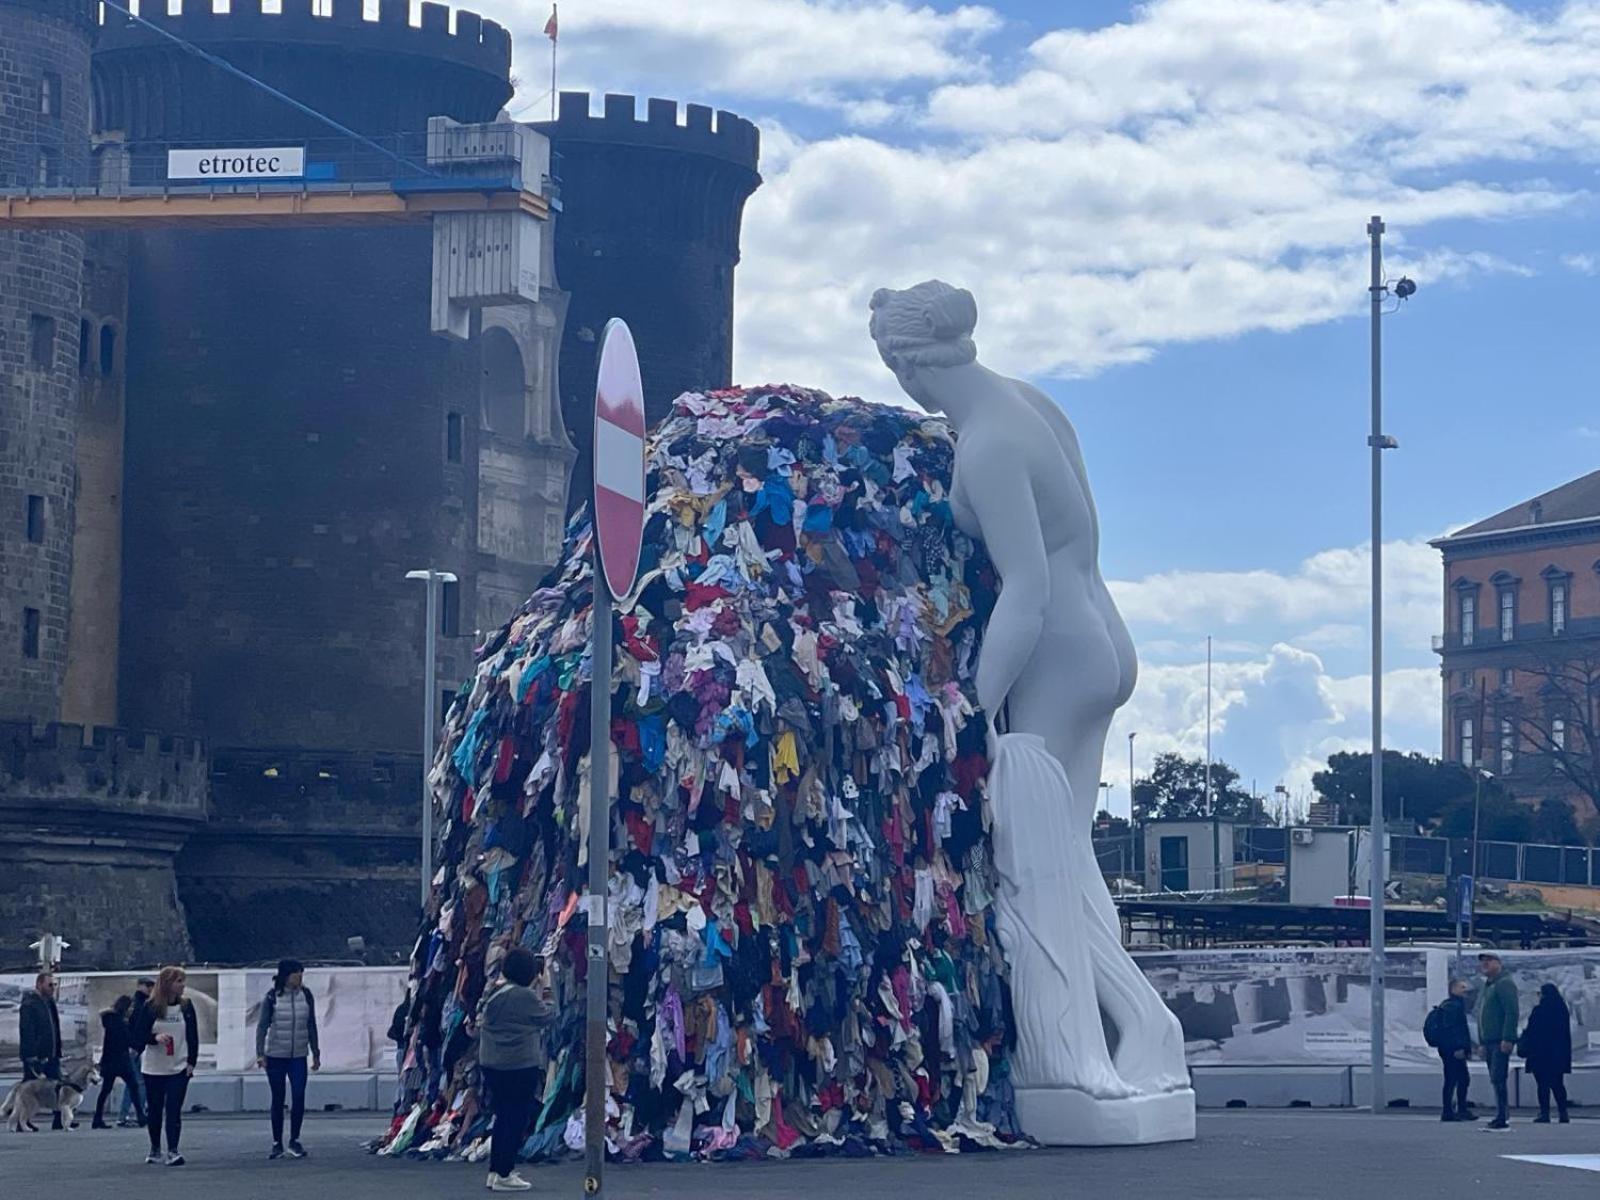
221,450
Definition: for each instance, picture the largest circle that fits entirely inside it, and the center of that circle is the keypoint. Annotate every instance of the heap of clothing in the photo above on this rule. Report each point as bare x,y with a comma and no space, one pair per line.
803,958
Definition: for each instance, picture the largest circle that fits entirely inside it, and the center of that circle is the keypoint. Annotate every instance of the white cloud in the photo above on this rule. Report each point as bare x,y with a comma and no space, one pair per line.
811,51
1198,172
1583,264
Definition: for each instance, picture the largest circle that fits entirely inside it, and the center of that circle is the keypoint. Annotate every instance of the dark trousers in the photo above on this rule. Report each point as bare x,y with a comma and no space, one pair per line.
43,1068
1548,1084
133,1090
164,1103
513,1094
1457,1079
110,1072
287,1074
1499,1074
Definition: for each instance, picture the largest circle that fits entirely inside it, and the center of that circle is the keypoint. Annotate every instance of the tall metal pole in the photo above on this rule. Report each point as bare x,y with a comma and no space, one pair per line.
1378,869
1134,823
1211,803
594,1071
430,731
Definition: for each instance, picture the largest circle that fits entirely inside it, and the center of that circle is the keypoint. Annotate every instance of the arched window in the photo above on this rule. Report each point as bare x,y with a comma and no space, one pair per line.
504,393
108,348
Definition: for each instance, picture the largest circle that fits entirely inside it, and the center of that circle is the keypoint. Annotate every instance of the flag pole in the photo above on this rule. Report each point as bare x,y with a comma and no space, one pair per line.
555,41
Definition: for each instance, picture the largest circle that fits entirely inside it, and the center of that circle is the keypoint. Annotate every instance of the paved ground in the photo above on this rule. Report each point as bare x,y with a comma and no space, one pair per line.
1240,1155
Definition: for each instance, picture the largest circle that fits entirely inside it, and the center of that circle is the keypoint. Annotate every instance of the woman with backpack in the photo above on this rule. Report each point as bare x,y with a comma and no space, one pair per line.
1546,1044
286,1033
168,1032
1446,1030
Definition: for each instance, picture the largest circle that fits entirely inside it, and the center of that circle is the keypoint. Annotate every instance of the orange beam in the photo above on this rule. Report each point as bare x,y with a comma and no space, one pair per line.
141,211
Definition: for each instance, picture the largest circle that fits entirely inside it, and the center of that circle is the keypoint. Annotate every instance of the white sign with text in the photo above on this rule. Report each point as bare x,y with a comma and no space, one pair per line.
269,162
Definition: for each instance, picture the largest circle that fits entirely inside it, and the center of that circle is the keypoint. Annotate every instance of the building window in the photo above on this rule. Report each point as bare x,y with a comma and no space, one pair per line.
452,437
1558,732
1508,614
108,349
30,633
1464,741
36,520
1508,679
42,341
84,330
1558,607
1508,745
50,94
450,609
48,172
1469,617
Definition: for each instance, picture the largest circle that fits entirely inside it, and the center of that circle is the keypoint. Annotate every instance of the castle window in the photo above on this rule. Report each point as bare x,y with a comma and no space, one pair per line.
84,330
108,349
452,437
50,94
42,341
36,520
30,633
48,172
450,609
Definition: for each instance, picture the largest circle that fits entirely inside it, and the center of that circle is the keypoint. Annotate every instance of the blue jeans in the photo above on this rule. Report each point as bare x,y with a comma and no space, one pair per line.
287,1074
133,1094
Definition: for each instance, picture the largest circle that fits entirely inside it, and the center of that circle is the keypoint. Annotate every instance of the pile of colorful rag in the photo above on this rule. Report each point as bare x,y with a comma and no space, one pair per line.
802,953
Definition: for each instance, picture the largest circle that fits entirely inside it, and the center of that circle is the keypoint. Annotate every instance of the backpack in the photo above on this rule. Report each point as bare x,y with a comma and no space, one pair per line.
1433,1027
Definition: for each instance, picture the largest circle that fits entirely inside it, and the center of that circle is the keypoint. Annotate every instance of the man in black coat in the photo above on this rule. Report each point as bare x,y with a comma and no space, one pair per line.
41,1033
133,1098
1455,1048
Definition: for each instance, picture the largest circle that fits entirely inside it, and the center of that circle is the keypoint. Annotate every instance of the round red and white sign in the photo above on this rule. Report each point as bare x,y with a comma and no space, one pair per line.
619,458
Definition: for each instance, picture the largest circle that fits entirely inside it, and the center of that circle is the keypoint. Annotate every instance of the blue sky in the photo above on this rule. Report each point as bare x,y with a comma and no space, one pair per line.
1161,210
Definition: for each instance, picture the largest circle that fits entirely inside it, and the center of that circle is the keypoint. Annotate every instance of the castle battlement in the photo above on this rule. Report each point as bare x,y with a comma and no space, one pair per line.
75,12
714,133
119,767
462,37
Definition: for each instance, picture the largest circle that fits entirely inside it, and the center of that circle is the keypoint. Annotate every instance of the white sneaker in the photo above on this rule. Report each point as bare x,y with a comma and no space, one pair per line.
174,1159
153,1159
509,1183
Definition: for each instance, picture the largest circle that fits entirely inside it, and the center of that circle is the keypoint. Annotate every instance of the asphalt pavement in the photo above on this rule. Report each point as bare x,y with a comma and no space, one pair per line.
1243,1155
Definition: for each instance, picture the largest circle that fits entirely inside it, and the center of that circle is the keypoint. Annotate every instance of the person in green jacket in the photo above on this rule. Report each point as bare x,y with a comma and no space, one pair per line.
1497,1032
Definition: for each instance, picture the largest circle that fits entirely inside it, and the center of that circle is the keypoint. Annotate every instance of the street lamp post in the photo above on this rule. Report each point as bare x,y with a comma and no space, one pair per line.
1479,774
1134,826
430,715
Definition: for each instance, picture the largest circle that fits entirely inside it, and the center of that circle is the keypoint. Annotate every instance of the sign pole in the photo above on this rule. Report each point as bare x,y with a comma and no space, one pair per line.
594,1072
618,510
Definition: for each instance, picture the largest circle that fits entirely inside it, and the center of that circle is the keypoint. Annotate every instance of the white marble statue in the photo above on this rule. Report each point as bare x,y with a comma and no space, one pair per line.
1099,1057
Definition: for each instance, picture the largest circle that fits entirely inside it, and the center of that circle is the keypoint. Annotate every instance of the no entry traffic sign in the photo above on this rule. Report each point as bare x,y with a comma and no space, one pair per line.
619,459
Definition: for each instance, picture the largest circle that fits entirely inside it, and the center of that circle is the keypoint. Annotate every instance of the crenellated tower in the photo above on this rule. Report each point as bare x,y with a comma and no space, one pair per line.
649,232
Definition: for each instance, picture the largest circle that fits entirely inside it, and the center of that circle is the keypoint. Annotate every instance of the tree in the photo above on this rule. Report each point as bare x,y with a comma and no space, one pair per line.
1557,715
1501,818
1414,785
1175,790
1555,824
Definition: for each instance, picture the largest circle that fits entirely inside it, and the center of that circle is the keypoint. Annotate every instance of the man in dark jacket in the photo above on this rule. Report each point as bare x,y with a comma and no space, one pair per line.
1455,1047
1497,1031
41,1033
133,1098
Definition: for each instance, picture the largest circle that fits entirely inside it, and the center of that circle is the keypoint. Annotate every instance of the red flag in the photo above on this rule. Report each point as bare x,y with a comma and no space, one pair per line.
550,26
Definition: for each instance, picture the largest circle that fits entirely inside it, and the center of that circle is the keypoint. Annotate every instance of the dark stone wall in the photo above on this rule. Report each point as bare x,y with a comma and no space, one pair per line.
649,232
40,279
89,827
286,466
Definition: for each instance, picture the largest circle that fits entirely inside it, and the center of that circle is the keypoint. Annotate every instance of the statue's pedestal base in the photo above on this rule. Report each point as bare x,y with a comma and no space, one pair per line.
1063,1117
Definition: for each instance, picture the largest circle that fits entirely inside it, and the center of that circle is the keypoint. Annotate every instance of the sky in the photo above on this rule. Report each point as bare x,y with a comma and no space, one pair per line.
1161,209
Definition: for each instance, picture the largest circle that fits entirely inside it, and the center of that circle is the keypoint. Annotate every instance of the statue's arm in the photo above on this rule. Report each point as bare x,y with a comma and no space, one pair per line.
994,480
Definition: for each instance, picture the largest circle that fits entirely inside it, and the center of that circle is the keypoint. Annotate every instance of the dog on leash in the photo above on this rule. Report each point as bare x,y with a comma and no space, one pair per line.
32,1097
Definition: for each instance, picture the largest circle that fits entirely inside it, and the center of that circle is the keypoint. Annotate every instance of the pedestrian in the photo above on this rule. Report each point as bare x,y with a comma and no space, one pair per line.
1497,1031
400,1034
285,1034
1446,1030
511,1053
133,1095
170,1035
116,1058
1546,1044
40,1030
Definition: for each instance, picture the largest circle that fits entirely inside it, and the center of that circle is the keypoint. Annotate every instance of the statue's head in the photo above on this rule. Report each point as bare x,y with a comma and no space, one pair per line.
922,330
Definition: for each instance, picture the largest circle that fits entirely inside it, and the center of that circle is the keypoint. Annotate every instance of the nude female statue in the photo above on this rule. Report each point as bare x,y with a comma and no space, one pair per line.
1058,660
